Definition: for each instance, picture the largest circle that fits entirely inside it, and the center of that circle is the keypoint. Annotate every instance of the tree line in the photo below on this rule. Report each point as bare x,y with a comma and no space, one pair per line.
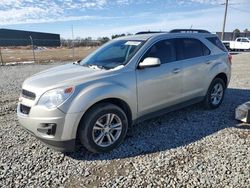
88,41
101,40
237,32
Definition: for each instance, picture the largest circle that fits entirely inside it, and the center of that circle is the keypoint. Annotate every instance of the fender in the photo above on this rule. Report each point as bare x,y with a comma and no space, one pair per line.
94,93
216,69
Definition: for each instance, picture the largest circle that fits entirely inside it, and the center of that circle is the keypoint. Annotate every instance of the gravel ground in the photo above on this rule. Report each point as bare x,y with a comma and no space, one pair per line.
187,148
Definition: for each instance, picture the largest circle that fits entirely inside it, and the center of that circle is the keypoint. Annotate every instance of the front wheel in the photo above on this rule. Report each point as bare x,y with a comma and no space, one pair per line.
103,128
215,94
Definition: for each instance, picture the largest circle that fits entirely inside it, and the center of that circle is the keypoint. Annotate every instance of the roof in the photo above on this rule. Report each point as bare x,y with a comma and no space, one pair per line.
144,37
23,31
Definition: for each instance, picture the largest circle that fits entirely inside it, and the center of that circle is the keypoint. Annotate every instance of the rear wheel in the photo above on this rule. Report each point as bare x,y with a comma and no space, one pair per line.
215,94
103,128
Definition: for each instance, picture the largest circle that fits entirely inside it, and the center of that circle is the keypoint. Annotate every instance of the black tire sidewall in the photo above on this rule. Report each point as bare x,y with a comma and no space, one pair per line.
85,133
208,102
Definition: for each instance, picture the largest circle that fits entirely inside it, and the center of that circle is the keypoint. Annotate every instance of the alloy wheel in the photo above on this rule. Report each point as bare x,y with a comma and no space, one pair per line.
107,130
217,94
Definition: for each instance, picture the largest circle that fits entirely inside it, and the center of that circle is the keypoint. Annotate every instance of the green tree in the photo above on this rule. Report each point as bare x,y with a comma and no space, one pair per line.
103,39
246,31
116,36
236,33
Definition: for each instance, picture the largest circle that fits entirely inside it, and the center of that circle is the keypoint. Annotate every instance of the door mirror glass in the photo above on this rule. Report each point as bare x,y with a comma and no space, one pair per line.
150,62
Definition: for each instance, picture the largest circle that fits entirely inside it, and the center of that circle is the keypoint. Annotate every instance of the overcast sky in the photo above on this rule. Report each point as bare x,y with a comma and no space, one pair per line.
97,18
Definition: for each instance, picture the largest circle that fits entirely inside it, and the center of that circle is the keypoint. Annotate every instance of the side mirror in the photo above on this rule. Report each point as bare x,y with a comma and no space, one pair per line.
150,62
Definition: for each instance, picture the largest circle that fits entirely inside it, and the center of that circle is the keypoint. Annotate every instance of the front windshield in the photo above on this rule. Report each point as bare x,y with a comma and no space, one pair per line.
114,54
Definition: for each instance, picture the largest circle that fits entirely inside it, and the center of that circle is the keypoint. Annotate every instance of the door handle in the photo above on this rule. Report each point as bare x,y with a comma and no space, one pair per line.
208,62
176,71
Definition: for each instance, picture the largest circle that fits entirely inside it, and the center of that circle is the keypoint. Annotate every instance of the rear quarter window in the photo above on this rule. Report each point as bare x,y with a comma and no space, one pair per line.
217,42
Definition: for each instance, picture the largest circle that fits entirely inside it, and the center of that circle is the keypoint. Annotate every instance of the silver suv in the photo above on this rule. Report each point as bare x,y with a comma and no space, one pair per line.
127,80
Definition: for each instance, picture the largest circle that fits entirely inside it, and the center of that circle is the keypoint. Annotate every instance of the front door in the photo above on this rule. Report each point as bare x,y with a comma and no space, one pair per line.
159,87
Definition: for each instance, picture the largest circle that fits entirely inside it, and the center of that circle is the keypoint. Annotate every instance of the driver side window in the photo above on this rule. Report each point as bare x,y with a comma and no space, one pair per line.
164,50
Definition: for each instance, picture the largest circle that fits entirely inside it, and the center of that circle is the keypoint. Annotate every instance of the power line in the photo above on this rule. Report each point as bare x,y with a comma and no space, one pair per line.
241,10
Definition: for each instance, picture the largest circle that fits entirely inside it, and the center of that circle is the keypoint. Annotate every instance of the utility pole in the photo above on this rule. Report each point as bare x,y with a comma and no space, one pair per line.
32,44
73,45
1,57
224,22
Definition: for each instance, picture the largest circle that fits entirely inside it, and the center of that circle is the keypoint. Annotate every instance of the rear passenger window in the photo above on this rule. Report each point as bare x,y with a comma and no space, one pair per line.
164,50
217,42
191,48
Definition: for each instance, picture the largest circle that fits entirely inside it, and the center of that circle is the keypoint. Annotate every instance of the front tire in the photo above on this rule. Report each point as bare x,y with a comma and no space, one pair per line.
215,94
103,128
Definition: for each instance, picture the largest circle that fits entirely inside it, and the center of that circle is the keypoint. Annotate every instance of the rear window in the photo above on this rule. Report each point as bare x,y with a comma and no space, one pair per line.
216,41
191,48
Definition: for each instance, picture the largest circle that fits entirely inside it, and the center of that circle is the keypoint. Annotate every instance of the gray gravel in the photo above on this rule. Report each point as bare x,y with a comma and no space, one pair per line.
190,147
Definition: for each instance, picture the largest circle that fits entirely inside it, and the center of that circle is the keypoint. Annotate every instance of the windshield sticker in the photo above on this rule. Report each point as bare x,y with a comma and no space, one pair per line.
133,43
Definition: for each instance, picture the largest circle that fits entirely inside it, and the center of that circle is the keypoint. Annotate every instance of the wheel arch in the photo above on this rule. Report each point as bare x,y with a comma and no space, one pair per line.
222,76
115,101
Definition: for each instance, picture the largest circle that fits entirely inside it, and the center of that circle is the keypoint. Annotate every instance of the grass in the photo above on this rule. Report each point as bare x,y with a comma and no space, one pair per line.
22,54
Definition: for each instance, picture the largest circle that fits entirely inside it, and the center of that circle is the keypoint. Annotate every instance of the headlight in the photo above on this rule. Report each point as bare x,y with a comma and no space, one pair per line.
55,97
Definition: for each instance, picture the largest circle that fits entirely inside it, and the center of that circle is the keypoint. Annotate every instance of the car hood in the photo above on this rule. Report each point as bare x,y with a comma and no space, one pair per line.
64,75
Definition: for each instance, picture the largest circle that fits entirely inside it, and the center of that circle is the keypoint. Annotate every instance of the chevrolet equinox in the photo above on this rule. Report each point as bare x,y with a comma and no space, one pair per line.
127,80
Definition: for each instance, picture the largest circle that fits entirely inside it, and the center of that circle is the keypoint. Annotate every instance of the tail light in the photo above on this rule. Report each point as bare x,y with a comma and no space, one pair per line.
230,57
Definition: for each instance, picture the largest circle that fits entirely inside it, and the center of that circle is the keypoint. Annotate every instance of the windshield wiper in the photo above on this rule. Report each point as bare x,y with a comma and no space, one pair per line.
95,66
102,67
77,62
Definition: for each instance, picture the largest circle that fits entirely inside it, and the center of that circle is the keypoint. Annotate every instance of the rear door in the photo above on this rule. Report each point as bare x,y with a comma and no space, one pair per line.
195,61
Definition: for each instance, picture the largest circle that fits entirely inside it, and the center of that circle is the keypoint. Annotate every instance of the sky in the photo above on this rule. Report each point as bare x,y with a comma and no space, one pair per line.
99,18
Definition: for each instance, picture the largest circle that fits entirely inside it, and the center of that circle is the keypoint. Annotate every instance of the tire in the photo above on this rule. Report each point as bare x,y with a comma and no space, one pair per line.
100,129
213,102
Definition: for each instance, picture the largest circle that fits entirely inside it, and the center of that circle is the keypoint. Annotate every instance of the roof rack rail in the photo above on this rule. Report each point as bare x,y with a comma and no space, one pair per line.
149,32
188,31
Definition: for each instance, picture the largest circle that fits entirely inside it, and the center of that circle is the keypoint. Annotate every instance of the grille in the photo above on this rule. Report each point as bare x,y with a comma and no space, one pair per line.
24,109
28,95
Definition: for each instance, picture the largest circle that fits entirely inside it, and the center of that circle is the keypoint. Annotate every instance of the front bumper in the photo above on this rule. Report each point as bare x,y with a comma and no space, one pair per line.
62,146
53,127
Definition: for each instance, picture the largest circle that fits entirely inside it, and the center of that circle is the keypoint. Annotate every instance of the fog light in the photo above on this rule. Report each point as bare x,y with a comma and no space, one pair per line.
48,128
242,112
